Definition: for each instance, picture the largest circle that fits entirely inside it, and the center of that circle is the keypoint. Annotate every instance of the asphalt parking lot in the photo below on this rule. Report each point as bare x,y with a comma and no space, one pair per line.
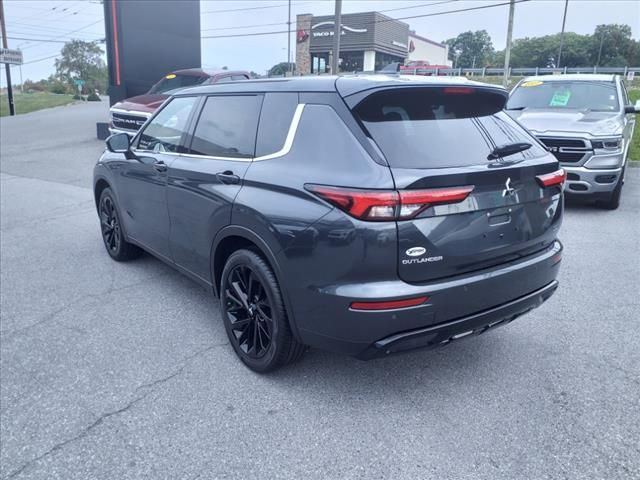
119,371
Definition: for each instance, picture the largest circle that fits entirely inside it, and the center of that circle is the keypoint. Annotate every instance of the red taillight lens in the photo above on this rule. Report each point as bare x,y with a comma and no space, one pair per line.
385,205
554,178
458,90
362,204
389,305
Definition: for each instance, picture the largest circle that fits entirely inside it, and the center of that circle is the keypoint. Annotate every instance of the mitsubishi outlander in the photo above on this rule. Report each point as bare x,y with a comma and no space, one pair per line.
364,214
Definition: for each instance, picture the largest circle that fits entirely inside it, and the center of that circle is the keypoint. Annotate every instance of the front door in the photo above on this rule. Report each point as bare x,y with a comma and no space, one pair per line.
143,177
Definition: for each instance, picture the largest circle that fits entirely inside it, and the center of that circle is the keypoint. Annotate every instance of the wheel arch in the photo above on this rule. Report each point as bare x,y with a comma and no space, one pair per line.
235,237
98,187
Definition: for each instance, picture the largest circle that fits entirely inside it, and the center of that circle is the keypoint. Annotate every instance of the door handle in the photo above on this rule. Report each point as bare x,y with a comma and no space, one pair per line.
228,177
160,166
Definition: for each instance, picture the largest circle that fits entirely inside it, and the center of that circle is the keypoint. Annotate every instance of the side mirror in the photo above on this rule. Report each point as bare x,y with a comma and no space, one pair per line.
118,143
632,108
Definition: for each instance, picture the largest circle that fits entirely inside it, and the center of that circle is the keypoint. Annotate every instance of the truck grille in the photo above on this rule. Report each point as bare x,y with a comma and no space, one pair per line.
567,150
127,121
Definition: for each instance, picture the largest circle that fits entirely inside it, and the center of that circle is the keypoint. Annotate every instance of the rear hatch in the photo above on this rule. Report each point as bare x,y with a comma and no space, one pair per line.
466,204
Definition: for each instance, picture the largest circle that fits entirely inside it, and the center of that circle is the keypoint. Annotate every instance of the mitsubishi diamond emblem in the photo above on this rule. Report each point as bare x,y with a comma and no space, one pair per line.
508,190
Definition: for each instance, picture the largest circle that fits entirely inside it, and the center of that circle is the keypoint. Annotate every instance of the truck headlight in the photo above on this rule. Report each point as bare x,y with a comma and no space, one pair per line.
607,144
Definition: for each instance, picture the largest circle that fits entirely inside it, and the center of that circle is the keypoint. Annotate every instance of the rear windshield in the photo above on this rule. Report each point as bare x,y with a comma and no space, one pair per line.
428,128
174,81
595,96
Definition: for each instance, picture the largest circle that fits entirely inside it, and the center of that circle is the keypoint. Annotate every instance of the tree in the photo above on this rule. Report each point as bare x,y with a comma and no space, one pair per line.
612,45
471,48
82,60
281,68
538,51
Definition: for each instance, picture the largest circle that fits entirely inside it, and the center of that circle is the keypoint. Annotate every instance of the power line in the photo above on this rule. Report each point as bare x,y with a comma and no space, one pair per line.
236,27
433,14
66,33
41,40
41,59
244,9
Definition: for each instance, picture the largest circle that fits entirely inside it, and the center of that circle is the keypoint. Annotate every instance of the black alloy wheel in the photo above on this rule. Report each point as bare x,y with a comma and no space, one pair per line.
254,315
112,234
249,311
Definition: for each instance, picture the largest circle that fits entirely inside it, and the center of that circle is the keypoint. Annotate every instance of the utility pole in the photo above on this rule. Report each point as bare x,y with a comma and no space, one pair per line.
507,51
12,107
337,31
600,49
289,40
564,20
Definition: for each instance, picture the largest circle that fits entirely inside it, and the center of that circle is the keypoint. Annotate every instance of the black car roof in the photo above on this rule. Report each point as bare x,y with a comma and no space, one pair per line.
345,85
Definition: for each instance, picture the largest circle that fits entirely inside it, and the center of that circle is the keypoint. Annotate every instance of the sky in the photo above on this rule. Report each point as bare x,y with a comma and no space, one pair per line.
51,22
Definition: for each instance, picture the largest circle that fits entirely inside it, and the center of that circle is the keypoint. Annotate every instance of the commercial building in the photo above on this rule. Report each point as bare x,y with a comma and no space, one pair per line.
369,41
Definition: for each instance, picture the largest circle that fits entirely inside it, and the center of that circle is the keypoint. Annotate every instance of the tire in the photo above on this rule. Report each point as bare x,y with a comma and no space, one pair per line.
254,315
614,201
111,228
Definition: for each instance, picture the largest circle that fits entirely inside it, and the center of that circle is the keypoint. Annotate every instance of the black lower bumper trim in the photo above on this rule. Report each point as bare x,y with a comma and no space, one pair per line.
447,332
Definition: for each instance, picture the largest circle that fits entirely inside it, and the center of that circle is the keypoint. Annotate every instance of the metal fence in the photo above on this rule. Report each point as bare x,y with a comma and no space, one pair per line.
483,72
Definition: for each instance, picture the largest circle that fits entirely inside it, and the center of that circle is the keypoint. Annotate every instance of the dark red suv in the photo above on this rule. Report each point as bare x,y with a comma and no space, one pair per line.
130,114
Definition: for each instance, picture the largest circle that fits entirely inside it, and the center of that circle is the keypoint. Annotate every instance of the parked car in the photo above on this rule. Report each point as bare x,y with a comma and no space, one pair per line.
454,208
587,122
130,114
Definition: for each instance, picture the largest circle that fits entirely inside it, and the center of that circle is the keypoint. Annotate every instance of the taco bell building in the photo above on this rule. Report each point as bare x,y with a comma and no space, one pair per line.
369,41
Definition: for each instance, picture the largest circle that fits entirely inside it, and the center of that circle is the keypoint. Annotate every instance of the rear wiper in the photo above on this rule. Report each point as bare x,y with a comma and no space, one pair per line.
515,108
508,149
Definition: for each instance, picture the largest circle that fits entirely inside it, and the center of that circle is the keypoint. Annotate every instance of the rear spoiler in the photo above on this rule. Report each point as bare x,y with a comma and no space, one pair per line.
467,99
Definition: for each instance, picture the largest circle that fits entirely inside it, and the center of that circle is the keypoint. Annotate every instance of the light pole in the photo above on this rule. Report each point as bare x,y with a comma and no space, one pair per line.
337,30
507,52
564,20
289,40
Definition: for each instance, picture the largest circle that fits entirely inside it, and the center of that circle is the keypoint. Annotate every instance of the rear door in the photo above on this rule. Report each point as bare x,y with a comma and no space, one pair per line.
478,211
204,181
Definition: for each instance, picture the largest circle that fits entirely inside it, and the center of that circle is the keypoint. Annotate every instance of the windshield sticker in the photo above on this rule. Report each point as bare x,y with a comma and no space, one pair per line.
532,83
560,98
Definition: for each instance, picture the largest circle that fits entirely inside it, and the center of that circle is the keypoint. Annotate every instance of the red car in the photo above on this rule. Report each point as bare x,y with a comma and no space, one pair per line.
130,114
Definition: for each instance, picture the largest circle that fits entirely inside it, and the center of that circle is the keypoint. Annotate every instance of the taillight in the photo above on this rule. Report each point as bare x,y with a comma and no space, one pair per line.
551,179
458,90
386,205
389,305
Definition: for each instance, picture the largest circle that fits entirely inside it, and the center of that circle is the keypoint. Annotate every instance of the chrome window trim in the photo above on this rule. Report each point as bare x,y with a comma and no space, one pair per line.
288,142
286,148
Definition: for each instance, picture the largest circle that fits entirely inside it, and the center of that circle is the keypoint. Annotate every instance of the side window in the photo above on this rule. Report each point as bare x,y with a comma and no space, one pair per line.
226,79
164,132
227,126
235,78
275,120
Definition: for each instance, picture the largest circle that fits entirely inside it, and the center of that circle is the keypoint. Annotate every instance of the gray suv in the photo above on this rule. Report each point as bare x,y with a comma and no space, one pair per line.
587,122
365,215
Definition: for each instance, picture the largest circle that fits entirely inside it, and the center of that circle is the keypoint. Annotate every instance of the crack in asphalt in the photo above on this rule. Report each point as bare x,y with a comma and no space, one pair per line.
8,335
149,387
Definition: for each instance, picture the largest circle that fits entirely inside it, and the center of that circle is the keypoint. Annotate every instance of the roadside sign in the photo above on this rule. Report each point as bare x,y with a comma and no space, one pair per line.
631,76
78,81
14,57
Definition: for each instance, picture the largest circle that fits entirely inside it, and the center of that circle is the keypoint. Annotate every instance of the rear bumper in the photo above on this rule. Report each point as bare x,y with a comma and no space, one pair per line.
471,325
325,320
585,181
